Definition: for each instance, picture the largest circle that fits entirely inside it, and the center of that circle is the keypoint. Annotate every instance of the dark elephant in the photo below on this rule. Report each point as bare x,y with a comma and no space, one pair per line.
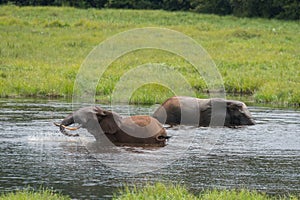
203,112
137,130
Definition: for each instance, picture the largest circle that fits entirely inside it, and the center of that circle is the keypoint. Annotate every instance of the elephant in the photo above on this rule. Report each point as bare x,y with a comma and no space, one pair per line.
182,110
139,130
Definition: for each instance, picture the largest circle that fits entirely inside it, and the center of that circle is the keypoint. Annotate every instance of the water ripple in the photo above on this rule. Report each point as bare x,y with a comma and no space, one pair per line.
33,152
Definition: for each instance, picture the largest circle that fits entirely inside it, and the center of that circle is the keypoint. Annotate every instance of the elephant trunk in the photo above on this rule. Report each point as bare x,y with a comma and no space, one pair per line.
64,125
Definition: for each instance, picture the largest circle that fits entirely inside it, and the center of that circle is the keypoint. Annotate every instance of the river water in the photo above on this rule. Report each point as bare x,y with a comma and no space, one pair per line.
264,157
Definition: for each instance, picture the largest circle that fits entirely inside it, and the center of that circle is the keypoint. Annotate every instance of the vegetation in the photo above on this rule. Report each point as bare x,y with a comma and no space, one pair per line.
157,191
28,194
282,9
162,191
42,48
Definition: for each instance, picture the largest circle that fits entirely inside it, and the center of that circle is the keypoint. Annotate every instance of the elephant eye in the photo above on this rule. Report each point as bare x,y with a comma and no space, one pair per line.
161,138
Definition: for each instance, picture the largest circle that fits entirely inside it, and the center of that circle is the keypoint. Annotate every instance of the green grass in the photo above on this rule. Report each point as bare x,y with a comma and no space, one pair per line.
28,194
158,191
175,192
42,48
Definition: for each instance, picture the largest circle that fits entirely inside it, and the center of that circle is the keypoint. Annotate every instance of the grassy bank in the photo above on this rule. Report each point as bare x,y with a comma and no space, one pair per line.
175,192
155,192
42,48
43,194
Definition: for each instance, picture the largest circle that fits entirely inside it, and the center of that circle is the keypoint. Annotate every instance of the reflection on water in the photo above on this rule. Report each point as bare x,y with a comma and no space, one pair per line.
33,152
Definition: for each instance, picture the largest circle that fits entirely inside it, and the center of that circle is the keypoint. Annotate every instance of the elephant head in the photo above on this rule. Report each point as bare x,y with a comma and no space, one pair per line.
135,130
238,114
87,118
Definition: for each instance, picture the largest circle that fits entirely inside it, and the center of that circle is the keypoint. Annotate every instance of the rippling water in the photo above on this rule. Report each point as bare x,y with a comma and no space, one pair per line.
265,157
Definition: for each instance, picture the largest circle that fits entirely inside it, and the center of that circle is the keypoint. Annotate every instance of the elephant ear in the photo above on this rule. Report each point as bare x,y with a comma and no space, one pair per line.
234,106
99,112
108,121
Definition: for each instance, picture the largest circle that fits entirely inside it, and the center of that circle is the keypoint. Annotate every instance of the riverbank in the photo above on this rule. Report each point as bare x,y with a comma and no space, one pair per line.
155,192
42,49
176,192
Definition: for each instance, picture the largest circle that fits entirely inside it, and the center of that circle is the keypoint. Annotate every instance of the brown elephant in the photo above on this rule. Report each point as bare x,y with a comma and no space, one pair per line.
203,112
140,130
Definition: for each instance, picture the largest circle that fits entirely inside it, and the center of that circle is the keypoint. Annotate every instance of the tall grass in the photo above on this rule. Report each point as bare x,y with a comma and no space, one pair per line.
157,191
160,191
42,48
43,194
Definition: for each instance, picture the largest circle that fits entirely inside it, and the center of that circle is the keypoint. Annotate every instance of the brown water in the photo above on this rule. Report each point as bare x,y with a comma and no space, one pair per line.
265,157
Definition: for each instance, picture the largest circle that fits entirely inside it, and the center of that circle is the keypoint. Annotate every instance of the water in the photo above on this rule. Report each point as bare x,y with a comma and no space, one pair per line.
264,157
